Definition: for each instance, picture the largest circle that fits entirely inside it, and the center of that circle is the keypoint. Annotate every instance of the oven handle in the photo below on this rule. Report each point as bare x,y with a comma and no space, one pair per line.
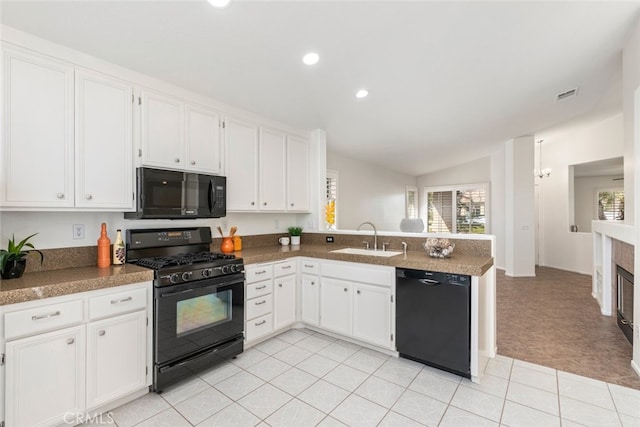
199,356
217,285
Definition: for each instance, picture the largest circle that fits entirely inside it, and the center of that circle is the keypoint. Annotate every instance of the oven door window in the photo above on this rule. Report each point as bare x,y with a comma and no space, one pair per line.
202,312
193,316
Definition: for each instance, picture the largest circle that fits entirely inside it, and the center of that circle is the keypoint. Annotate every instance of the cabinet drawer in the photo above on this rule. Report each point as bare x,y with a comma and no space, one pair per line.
259,306
259,327
284,268
257,289
116,303
309,267
257,274
39,319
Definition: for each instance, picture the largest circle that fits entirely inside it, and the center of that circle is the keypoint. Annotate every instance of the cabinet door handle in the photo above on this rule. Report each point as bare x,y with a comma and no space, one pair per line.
253,203
260,323
60,195
261,272
279,285
313,283
286,267
291,204
193,162
89,196
261,287
358,291
46,316
261,302
265,203
177,160
345,289
120,301
309,265
101,333
71,341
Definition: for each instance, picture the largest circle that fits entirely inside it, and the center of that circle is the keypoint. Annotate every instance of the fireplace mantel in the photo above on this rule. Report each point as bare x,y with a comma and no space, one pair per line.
604,234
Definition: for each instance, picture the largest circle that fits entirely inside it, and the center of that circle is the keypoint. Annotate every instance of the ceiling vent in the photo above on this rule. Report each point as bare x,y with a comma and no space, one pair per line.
567,94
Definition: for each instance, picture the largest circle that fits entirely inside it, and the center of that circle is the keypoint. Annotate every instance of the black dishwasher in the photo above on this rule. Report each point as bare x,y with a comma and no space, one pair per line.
433,319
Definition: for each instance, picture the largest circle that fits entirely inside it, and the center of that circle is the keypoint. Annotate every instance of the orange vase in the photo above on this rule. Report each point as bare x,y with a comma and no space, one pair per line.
227,245
104,248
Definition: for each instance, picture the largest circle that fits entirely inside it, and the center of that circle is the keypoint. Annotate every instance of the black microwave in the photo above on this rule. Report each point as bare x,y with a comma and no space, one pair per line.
166,194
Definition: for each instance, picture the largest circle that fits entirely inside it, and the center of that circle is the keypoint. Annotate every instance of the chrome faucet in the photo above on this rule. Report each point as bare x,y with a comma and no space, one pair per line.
375,234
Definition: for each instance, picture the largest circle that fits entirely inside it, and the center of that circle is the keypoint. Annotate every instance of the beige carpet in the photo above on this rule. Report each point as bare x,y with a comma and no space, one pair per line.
553,320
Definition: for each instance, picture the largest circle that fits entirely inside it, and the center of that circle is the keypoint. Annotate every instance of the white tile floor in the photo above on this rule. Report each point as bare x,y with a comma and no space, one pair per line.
301,378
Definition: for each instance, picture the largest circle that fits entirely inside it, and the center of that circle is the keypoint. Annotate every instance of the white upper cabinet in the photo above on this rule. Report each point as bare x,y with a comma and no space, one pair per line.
202,137
104,142
241,162
178,135
298,174
272,157
162,131
37,151
267,170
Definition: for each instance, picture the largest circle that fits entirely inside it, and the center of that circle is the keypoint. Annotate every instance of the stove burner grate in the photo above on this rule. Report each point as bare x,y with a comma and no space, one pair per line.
160,262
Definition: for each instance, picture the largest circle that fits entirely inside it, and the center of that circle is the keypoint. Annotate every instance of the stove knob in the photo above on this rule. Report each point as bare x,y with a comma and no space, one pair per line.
174,278
236,268
186,275
226,269
207,272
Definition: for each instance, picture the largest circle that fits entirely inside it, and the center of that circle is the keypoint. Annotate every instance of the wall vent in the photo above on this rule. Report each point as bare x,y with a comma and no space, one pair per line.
567,94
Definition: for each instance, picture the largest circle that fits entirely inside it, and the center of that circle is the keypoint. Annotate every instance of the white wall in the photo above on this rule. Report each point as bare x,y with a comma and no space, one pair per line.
368,192
498,204
473,172
584,195
631,111
519,208
585,142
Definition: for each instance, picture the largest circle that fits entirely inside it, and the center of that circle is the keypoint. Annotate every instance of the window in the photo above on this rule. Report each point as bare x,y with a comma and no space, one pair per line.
611,205
411,202
459,209
331,195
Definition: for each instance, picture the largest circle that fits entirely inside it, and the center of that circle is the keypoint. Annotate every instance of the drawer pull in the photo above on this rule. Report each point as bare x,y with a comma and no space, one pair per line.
261,287
261,272
261,302
101,333
286,267
280,284
260,323
313,283
309,265
120,301
345,289
46,316
71,341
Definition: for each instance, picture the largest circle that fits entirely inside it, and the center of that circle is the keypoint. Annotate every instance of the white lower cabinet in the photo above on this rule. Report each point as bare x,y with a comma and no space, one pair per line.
116,357
72,355
352,299
45,378
284,295
335,305
372,314
270,299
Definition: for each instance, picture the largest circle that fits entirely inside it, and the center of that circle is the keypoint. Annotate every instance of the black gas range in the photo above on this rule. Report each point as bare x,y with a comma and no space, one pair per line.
198,309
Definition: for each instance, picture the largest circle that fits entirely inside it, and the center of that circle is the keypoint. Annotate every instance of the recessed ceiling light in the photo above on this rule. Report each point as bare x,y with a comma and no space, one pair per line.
362,93
311,58
220,4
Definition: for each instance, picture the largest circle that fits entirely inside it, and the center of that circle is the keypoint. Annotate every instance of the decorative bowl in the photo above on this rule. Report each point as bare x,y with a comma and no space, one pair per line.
439,248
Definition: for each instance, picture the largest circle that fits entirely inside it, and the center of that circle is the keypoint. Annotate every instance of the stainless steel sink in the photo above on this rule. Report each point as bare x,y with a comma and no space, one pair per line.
367,252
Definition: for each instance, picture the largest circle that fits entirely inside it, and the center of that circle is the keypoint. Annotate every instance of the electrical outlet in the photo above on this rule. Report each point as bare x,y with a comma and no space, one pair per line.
328,239
277,224
225,225
78,231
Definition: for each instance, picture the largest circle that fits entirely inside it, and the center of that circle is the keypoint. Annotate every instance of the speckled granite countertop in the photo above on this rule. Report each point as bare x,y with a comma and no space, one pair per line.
419,260
53,283
36,285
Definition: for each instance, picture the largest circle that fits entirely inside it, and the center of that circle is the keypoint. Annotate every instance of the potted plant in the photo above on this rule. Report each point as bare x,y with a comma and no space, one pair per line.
12,259
295,233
